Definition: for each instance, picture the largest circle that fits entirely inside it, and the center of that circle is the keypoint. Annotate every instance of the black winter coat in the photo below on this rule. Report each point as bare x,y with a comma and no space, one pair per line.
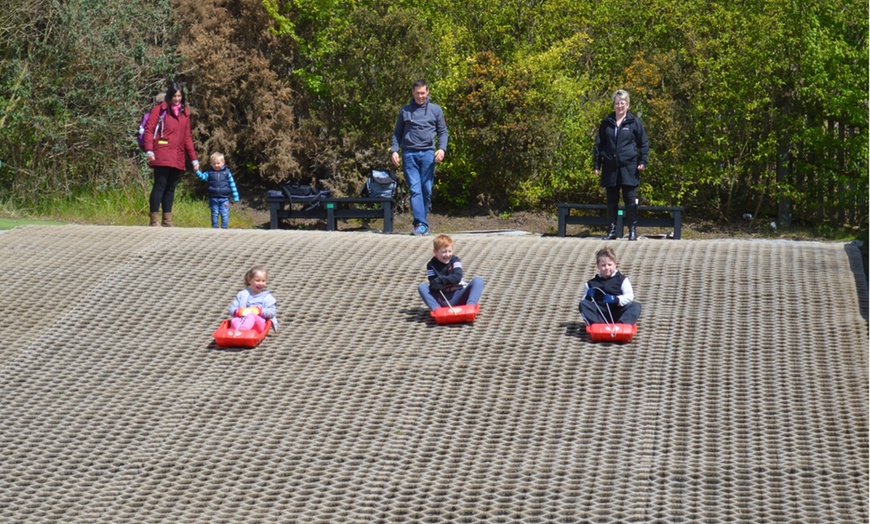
618,153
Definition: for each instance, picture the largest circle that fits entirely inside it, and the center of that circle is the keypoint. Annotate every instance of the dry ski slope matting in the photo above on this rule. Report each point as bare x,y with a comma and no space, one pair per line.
743,397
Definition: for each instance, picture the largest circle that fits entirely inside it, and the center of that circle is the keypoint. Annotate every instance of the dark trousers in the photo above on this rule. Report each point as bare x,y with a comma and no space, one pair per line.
627,314
163,190
629,197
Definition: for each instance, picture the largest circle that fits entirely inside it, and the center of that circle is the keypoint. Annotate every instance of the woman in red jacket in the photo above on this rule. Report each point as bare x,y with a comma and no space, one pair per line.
168,145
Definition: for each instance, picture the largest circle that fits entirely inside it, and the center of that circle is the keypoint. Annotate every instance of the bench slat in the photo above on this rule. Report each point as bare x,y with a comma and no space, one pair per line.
674,220
330,209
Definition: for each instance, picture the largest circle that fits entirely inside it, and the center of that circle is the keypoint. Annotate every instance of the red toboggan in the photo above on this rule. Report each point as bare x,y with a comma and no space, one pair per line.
455,314
227,337
609,330
606,332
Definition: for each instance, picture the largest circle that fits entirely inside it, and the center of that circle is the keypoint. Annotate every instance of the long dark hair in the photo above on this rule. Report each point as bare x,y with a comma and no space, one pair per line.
171,89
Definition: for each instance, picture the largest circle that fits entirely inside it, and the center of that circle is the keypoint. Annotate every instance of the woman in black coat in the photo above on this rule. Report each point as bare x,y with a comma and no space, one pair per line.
620,154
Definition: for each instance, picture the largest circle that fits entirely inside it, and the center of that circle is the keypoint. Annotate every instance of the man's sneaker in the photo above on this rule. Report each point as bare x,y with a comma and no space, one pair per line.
421,230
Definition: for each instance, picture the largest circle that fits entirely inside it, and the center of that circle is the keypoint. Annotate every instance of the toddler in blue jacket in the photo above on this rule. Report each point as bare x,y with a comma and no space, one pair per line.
221,187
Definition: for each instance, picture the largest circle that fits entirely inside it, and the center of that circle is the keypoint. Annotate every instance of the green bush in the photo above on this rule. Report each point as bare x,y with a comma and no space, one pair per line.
74,83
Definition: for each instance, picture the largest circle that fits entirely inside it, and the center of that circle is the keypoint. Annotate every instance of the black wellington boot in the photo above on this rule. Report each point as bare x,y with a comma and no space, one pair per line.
631,217
611,234
611,218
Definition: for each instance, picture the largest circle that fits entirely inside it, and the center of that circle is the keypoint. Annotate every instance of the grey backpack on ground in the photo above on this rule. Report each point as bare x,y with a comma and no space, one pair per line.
380,184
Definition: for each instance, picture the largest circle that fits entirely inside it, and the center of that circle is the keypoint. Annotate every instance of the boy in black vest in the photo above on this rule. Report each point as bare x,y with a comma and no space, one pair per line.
611,290
445,282
221,187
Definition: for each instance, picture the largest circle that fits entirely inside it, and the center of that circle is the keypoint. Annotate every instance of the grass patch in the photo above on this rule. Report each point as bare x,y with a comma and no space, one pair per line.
119,207
9,223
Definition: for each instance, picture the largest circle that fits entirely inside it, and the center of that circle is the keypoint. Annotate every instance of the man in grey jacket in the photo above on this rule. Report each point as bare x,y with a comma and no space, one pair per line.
419,124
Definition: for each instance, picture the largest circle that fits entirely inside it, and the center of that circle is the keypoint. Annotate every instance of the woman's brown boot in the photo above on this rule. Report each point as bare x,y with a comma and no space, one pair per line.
155,220
167,219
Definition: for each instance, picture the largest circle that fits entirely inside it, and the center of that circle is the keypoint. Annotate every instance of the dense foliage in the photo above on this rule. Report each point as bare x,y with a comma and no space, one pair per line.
757,107
74,79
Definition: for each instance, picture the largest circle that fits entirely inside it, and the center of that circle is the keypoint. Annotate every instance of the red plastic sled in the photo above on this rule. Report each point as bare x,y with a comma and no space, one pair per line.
611,332
455,314
227,337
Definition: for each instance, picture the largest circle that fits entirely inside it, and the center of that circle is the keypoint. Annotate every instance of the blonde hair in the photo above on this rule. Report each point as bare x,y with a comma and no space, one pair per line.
217,157
442,241
249,275
622,94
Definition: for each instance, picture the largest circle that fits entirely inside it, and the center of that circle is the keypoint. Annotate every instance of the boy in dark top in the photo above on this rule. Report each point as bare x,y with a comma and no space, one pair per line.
444,272
221,187
611,290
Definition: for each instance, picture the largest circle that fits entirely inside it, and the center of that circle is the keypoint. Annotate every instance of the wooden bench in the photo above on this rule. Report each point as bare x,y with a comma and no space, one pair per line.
329,209
673,220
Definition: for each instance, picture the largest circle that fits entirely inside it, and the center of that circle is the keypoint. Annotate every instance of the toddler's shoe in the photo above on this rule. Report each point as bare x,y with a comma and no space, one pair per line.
421,230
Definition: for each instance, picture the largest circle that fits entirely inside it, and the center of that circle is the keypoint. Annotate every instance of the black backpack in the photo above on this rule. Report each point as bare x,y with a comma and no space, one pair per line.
304,193
380,184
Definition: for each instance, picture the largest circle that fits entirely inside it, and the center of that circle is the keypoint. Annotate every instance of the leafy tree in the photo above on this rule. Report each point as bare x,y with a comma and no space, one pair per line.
242,107
353,64
507,127
733,101
757,106
73,75
378,56
516,80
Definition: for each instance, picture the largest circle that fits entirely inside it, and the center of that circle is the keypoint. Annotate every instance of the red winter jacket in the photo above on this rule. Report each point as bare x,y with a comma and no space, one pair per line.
173,144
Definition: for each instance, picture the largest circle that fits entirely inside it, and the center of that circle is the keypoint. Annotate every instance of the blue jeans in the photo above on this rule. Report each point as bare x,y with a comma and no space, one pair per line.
419,169
219,207
470,294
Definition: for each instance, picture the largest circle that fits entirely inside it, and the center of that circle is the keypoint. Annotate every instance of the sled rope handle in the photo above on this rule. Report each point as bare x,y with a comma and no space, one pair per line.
445,300
238,330
245,317
609,312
